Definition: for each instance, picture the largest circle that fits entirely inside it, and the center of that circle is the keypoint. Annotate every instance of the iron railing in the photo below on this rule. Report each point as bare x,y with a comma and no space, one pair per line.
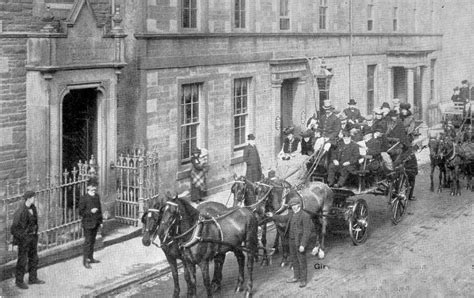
57,199
137,185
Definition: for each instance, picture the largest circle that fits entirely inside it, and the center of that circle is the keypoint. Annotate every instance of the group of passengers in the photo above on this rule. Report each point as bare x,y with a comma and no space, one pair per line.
351,142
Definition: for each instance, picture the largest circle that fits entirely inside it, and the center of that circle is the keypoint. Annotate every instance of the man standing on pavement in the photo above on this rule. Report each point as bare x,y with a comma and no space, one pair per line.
300,228
252,159
91,213
25,234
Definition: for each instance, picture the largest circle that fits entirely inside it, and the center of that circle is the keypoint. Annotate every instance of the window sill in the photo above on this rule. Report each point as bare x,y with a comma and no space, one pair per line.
236,160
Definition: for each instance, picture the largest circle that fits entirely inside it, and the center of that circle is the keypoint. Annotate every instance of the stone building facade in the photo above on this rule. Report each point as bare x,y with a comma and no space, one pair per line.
175,74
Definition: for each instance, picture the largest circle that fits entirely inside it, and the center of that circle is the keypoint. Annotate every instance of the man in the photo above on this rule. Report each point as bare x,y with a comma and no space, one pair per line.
353,114
395,129
252,160
385,109
91,212
456,97
464,91
407,118
344,160
396,105
380,123
374,147
25,234
300,228
330,125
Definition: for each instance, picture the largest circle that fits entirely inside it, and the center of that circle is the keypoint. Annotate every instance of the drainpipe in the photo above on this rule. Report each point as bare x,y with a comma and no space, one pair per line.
350,48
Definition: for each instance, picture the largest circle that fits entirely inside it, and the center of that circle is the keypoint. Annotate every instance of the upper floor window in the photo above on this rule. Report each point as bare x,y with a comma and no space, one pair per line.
432,79
189,122
323,7
284,15
240,111
239,14
395,19
370,87
370,16
189,14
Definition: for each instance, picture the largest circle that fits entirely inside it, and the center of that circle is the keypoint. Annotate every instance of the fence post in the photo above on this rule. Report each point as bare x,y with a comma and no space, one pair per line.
141,178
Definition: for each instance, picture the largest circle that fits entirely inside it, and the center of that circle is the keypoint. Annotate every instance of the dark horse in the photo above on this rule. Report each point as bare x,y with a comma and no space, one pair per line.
204,238
454,161
317,199
437,159
151,219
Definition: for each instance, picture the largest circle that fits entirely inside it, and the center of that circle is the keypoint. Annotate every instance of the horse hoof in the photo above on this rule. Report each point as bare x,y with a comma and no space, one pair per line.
238,289
321,254
248,294
282,264
459,194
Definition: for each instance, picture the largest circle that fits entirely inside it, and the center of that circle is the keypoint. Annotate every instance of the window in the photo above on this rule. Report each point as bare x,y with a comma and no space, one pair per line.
284,15
189,109
395,19
323,7
432,79
240,111
370,87
239,14
189,14
370,16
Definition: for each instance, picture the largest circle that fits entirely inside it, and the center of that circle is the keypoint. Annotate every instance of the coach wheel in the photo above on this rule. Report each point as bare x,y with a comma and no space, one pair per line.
359,222
398,194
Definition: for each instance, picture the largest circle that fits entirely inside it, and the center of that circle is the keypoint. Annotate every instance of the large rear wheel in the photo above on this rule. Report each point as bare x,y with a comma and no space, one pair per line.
398,196
359,222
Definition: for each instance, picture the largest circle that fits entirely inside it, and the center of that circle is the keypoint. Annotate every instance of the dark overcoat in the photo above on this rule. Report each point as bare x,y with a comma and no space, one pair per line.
254,166
330,126
299,228
24,223
86,204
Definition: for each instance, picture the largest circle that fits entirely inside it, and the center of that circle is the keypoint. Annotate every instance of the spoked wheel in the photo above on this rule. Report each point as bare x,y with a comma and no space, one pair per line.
359,222
398,196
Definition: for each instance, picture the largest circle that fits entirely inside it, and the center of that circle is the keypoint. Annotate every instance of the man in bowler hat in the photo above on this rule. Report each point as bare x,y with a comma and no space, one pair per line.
252,159
353,113
300,227
91,212
25,234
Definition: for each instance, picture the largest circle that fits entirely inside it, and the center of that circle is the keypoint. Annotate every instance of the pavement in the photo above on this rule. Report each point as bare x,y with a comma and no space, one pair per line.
121,264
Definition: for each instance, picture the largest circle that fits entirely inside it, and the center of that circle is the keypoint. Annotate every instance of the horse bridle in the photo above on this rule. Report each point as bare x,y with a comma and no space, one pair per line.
270,188
243,192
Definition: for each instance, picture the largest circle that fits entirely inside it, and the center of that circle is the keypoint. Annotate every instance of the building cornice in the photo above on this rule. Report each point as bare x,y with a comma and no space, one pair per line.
282,34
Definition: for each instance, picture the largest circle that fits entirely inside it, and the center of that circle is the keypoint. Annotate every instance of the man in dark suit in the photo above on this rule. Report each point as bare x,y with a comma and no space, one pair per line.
252,159
396,130
25,234
330,124
352,113
464,92
300,227
91,212
344,160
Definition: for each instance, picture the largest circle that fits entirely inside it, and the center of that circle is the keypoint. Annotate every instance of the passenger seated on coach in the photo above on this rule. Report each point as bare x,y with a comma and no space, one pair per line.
291,145
307,142
343,160
373,148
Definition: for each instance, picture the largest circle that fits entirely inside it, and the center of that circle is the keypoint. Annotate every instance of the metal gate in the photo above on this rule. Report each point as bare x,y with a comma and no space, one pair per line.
57,199
137,185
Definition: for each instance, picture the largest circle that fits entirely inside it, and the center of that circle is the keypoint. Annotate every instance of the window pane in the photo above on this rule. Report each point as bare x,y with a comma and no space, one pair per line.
284,24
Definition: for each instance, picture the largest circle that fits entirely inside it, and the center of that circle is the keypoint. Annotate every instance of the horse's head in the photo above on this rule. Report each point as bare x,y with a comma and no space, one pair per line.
151,220
274,192
239,190
169,221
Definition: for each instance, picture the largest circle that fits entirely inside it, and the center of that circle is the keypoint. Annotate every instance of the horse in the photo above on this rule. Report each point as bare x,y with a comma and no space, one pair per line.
204,239
437,159
454,161
151,219
317,198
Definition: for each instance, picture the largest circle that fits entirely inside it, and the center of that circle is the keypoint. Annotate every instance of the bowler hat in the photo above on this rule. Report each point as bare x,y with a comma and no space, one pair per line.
251,137
28,194
327,105
352,102
405,106
294,201
393,113
92,182
385,105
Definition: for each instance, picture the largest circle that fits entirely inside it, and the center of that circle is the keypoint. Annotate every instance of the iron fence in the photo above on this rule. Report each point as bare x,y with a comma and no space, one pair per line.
57,199
137,185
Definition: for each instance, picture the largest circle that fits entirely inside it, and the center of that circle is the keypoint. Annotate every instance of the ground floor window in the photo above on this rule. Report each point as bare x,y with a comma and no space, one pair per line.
240,111
189,122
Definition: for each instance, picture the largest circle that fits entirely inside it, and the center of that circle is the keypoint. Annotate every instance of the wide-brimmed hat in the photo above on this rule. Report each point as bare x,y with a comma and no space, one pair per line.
393,113
385,105
28,194
307,133
352,102
405,106
327,105
289,130
196,151
464,82
294,201
92,182
251,137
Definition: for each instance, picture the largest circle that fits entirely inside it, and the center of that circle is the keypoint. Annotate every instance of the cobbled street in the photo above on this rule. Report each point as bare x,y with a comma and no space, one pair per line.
428,254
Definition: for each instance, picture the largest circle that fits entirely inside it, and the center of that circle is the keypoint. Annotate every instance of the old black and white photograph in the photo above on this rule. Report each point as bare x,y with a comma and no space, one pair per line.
236,148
